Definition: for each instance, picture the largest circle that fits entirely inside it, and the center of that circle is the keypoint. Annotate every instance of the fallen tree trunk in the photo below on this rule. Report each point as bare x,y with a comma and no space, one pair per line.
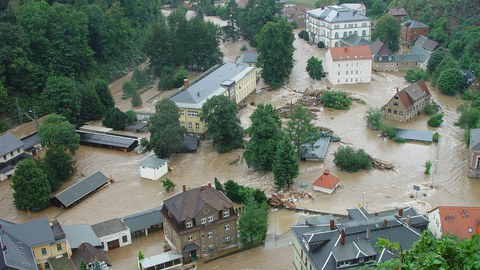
381,164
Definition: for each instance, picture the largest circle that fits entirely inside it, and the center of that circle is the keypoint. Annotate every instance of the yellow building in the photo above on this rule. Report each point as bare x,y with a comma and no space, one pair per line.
29,245
231,80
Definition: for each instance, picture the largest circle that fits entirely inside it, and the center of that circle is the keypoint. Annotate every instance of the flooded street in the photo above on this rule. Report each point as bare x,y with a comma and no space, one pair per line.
378,190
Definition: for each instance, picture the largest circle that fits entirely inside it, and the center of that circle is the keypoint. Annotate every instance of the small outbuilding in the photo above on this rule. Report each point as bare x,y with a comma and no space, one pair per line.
166,260
153,168
315,152
112,234
326,182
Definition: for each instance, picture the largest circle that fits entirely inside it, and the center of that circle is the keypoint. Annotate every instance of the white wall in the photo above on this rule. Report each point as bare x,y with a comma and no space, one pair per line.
115,236
435,224
348,71
324,190
154,174
11,155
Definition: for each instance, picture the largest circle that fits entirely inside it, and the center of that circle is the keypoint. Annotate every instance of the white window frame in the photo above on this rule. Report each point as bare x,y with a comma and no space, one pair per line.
204,220
209,234
210,219
226,214
189,224
226,227
190,238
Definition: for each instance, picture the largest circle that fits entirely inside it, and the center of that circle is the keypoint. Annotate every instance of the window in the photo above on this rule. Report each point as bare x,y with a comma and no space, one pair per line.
210,218
182,124
47,265
189,224
192,113
197,126
210,234
339,65
394,111
189,125
226,213
204,220
227,226
364,33
356,72
336,35
346,72
345,34
211,247
395,103
347,64
400,113
124,239
336,44
389,110
59,247
339,73
190,238
227,240
44,251
182,112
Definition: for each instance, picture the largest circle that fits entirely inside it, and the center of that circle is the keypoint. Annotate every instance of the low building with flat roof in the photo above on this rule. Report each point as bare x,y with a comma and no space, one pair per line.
153,168
112,234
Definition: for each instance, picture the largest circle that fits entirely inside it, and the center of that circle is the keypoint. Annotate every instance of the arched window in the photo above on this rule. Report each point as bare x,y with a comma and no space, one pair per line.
364,33
336,36
344,34
336,44
355,33
349,33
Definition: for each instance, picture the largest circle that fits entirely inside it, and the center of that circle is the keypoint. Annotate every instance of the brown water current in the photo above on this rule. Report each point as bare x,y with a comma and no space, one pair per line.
378,190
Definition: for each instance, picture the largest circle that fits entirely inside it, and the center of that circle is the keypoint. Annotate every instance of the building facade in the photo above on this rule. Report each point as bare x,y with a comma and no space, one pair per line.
349,65
460,221
199,222
112,234
411,30
232,80
474,154
407,103
400,62
11,151
294,13
153,168
332,23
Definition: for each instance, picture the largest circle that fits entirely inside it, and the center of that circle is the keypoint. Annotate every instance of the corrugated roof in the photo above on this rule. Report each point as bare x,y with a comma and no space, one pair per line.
189,203
109,227
9,143
81,189
415,135
250,57
397,12
152,162
317,150
143,220
106,139
462,221
350,53
327,180
81,233
355,40
337,14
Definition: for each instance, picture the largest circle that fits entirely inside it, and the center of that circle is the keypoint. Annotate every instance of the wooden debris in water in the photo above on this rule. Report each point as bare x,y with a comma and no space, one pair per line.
381,164
286,198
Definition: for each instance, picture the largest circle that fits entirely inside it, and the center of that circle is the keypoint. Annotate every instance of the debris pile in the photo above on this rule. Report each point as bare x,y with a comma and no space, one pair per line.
286,198
381,165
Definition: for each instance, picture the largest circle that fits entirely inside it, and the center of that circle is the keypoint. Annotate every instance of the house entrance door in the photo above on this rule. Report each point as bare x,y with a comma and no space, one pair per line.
193,254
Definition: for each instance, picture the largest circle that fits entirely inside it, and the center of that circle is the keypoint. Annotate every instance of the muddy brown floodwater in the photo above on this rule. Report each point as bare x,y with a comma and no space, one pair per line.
378,190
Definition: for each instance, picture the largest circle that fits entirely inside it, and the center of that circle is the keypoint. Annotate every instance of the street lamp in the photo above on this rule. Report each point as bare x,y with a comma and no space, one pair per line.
34,117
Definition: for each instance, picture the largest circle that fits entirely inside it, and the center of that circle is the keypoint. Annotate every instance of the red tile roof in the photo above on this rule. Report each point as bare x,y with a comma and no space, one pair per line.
327,180
409,95
397,12
350,53
462,221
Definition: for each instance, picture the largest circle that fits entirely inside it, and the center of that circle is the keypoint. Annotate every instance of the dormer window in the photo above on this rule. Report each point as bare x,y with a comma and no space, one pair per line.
226,214
189,224
210,218
204,220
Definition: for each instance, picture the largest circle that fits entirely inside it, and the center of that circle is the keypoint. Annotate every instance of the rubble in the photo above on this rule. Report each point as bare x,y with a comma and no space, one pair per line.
286,198
381,165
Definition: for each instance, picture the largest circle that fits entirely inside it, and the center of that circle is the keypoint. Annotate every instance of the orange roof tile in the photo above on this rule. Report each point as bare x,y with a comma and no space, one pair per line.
350,53
327,180
462,221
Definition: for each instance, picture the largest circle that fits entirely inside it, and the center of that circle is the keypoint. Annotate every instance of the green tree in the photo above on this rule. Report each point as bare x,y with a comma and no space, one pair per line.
469,117
91,106
56,131
415,74
335,99
180,75
219,114
351,160
255,15
116,119
105,96
58,165
435,59
285,165
252,223
140,78
128,88
31,190
168,185
304,35
447,63
387,30
232,191
136,99
450,81
140,257
374,117
61,97
378,8
265,132
275,48
300,128
431,108
232,13
218,185
435,121
160,45
315,68
166,133
83,266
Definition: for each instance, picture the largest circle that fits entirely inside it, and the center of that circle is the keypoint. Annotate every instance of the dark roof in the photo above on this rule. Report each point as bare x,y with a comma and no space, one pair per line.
317,150
89,254
109,227
30,141
32,233
475,139
189,144
326,249
9,143
379,48
250,57
2,260
468,77
189,247
426,43
415,135
80,189
397,11
152,162
337,14
355,40
81,233
188,204
11,163
143,220
402,58
108,140
414,24
138,127
412,93
15,256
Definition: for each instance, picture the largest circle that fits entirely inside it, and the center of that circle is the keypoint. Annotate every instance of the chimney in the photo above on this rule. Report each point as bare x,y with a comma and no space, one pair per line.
184,188
209,184
400,212
322,7
385,222
332,224
202,188
408,220
368,235
397,89
342,237
185,84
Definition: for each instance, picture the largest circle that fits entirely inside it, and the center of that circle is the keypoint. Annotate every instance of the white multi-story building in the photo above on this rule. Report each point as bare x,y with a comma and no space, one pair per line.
348,65
332,23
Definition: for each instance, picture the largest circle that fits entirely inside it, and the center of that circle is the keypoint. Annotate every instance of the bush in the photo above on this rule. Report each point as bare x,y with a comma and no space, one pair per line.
140,78
315,68
450,81
388,130
136,100
168,185
436,120
3,125
304,35
244,48
131,116
180,75
335,99
128,87
436,137
321,45
374,117
431,108
428,165
116,119
232,190
415,74
218,185
351,160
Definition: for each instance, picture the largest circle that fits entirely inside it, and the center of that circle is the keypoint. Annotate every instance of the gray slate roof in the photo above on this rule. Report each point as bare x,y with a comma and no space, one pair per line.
9,143
30,141
143,220
426,43
207,86
337,14
109,227
189,144
160,258
316,151
475,139
106,139
415,135
409,57
81,233
250,57
355,40
81,189
414,24
152,162
32,233
18,255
